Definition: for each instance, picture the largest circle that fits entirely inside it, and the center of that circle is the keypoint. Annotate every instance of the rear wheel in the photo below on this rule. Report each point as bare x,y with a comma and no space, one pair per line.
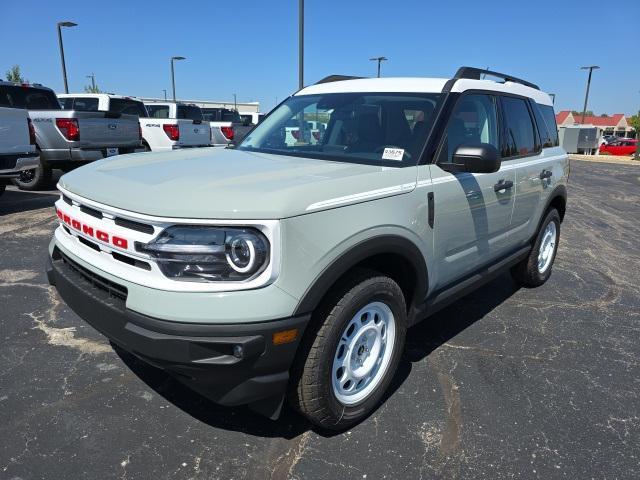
535,270
34,179
351,352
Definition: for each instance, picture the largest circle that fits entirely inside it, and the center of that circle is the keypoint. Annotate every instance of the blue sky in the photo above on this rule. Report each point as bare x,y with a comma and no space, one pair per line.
250,47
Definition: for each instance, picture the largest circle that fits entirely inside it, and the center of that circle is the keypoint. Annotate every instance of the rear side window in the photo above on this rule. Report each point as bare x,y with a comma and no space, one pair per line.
127,107
15,96
189,112
550,119
158,111
519,137
545,136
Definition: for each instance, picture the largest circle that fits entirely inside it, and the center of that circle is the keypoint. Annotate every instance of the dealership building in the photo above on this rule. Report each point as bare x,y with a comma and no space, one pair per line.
616,124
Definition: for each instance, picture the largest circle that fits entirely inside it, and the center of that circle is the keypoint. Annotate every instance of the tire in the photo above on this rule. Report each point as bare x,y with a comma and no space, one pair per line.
35,179
362,320
535,270
146,146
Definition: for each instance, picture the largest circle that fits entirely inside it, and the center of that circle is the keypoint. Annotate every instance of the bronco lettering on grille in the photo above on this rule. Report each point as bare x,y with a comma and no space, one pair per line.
91,231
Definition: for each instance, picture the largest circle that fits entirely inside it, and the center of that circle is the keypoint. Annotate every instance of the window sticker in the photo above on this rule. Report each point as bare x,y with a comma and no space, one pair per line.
393,154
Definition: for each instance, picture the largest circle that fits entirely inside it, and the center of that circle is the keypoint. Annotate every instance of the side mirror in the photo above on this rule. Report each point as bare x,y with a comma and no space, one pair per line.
474,158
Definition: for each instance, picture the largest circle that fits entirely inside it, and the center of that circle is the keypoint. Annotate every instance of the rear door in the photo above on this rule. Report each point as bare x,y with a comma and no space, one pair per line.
472,212
530,150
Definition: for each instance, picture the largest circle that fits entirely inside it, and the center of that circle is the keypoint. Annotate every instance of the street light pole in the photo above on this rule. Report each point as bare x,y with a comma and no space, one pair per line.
379,60
235,103
591,68
300,44
93,81
64,67
173,76
165,93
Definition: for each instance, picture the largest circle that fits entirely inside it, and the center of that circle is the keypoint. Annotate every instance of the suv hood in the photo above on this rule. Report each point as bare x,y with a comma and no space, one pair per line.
217,183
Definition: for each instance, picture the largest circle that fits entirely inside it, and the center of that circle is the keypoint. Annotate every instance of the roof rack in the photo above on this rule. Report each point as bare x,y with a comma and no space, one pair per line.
336,78
475,74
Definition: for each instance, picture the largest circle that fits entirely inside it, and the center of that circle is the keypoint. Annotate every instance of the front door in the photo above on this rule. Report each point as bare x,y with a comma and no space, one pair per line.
472,212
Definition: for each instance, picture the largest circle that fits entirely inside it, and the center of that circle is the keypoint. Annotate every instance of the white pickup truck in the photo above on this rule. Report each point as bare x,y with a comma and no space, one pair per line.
174,125
221,123
17,144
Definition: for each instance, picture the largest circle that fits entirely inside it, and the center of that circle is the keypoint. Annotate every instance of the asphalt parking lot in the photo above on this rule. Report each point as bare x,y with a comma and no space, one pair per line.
507,383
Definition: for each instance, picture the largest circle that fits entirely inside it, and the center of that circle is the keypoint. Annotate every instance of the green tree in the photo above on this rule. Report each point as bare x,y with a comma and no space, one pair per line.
92,89
634,121
14,75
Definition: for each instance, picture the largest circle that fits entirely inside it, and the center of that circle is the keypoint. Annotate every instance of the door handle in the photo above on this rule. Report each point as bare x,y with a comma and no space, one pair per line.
545,174
502,185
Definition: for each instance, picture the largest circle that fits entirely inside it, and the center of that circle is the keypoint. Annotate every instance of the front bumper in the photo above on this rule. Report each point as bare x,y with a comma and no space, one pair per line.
199,355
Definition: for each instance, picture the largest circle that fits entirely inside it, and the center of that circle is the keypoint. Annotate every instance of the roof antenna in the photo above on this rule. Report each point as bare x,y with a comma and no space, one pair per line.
484,75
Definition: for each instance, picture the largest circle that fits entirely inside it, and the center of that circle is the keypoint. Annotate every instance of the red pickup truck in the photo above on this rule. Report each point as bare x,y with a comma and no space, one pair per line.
624,146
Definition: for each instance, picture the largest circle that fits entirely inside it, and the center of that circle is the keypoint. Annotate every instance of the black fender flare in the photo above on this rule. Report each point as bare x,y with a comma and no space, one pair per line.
383,244
558,191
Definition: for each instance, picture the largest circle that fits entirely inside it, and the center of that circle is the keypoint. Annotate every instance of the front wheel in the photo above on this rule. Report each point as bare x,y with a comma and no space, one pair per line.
351,352
535,270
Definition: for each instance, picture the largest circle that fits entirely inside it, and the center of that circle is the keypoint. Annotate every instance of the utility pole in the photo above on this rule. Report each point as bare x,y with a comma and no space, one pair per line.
64,66
93,81
300,44
173,77
379,60
165,93
591,68
235,103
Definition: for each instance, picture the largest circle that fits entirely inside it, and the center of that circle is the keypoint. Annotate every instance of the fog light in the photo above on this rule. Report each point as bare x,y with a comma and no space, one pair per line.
238,351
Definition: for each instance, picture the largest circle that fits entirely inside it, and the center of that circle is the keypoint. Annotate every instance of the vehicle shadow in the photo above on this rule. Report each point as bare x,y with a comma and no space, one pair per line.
16,201
422,339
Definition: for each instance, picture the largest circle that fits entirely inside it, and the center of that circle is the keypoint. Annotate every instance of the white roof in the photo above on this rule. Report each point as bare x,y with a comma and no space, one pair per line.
423,85
386,84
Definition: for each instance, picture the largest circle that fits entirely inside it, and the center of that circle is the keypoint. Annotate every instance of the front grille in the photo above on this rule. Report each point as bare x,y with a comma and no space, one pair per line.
113,289
67,200
91,211
140,227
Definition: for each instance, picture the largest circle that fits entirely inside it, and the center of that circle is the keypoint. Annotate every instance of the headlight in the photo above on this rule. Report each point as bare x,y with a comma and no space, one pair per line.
209,254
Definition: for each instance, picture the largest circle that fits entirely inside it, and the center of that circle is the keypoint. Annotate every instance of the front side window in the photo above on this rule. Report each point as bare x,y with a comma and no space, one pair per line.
474,120
519,135
372,128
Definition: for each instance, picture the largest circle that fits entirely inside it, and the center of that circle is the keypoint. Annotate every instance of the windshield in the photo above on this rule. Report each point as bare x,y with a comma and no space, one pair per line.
374,128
